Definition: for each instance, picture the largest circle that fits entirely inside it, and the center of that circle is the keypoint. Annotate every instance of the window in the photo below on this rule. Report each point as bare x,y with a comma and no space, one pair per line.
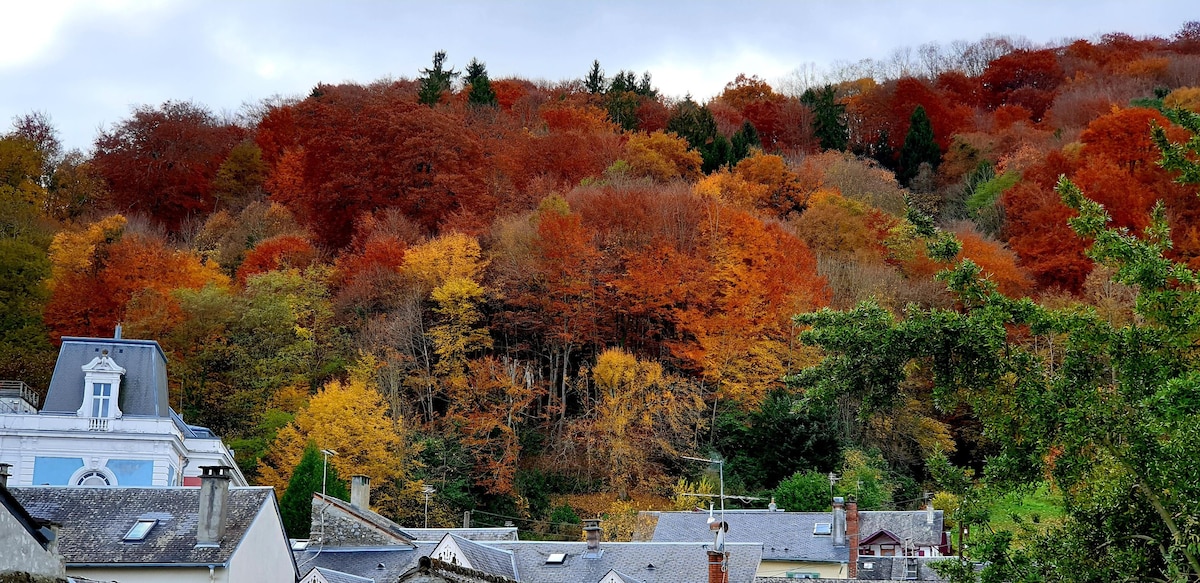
101,397
556,558
803,575
822,529
93,478
140,530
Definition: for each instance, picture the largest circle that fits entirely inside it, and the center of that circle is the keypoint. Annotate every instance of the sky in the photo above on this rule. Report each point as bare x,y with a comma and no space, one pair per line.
87,63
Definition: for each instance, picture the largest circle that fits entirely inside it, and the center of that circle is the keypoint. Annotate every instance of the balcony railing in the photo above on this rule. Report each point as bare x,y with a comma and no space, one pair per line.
19,390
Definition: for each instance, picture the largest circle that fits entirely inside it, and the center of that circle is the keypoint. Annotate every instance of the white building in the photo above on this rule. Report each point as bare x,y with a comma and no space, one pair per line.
106,422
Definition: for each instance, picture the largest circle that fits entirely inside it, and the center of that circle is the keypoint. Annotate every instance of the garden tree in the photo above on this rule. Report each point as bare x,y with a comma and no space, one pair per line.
350,418
436,80
804,492
743,142
594,82
161,161
476,78
662,157
309,476
920,147
1107,410
642,418
829,125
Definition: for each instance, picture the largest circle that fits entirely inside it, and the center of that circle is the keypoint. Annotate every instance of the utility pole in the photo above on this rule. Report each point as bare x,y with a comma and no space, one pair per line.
325,468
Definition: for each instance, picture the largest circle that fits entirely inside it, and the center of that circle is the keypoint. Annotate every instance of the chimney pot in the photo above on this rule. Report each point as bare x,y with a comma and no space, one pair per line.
4,475
214,505
360,491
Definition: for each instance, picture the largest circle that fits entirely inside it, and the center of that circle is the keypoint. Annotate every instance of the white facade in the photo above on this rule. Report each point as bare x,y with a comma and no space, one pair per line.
105,423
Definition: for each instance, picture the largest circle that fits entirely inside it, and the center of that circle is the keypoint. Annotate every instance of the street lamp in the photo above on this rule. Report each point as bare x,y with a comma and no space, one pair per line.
428,490
325,468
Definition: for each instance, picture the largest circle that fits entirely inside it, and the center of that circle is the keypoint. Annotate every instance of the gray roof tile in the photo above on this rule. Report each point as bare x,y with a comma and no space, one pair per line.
143,388
379,564
95,521
785,536
487,558
339,577
912,524
672,562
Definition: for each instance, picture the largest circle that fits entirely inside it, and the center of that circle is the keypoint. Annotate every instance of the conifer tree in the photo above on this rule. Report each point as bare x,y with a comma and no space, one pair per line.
436,80
296,504
919,147
744,139
829,124
595,82
481,87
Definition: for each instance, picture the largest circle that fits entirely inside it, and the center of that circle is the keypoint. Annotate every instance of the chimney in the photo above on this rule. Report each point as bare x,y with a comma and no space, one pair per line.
929,512
4,475
852,536
717,570
360,492
49,529
214,505
594,534
839,522
117,332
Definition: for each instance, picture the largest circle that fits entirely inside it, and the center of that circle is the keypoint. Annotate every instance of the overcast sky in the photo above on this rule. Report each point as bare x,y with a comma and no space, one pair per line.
87,63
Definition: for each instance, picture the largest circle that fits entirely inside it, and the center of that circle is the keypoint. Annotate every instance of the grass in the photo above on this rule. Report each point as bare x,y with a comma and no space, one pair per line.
1040,506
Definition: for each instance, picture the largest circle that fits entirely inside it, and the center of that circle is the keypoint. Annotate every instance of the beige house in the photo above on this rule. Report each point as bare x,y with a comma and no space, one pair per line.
210,534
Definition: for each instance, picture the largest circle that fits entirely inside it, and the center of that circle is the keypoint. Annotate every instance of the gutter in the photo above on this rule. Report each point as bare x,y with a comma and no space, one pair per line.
157,565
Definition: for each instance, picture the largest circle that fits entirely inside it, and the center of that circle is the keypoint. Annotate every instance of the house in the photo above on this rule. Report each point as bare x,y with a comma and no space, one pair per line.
842,543
28,547
209,534
106,421
429,570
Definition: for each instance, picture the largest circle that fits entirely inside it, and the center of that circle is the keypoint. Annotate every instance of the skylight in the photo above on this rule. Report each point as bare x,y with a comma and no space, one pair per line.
556,558
140,530
822,528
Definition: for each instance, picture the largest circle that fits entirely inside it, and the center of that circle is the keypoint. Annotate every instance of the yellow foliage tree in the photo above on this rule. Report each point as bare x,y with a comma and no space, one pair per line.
350,418
75,251
447,257
642,417
1184,97
662,157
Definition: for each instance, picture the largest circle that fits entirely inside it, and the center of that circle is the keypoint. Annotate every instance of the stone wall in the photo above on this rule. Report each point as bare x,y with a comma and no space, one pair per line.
344,529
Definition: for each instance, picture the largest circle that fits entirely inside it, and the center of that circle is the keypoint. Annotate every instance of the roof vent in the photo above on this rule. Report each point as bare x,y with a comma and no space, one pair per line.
556,558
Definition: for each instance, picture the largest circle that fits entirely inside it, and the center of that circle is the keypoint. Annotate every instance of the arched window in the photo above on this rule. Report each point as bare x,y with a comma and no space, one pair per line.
93,478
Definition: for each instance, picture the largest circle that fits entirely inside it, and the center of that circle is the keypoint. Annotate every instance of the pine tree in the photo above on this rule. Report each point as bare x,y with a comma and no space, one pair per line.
436,80
919,147
743,140
595,82
481,87
296,504
829,124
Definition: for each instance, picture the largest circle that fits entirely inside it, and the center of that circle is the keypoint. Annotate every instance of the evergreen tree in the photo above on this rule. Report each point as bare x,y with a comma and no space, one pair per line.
743,140
595,81
481,87
716,154
829,123
696,124
436,80
919,147
296,504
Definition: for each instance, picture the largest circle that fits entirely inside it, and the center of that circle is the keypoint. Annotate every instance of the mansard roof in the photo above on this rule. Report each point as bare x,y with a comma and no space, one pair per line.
143,388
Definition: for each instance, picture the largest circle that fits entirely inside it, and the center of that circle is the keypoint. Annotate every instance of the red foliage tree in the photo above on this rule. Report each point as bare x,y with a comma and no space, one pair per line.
284,251
1025,78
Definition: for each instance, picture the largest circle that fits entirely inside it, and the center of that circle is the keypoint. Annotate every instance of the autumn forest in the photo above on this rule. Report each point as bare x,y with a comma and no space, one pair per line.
537,297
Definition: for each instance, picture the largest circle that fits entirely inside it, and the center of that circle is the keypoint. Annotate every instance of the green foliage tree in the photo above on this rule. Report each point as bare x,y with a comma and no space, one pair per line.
829,117
296,504
1109,410
920,147
595,82
696,124
765,445
804,492
743,141
436,80
476,77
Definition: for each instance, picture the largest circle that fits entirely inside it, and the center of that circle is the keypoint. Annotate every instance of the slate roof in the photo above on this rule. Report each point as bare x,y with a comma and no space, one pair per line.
785,536
475,534
624,578
364,561
487,558
903,525
672,562
143,388
365,515
95,521
29,523
339,577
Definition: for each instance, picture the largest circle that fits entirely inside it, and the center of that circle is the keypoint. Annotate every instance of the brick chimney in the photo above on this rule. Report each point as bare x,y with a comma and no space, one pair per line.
852,536
717,571
839,522
214,505
360,492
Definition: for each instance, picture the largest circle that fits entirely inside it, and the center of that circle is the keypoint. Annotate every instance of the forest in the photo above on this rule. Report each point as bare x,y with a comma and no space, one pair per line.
953,274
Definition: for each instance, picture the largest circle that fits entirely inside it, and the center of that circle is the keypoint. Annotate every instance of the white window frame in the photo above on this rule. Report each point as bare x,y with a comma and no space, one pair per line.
97,373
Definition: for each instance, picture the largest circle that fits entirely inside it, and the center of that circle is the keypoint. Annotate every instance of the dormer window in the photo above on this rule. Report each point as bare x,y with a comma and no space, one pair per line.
101,388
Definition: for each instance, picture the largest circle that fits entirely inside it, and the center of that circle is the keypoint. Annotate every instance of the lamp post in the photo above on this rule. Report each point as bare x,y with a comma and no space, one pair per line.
428,490
325,468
